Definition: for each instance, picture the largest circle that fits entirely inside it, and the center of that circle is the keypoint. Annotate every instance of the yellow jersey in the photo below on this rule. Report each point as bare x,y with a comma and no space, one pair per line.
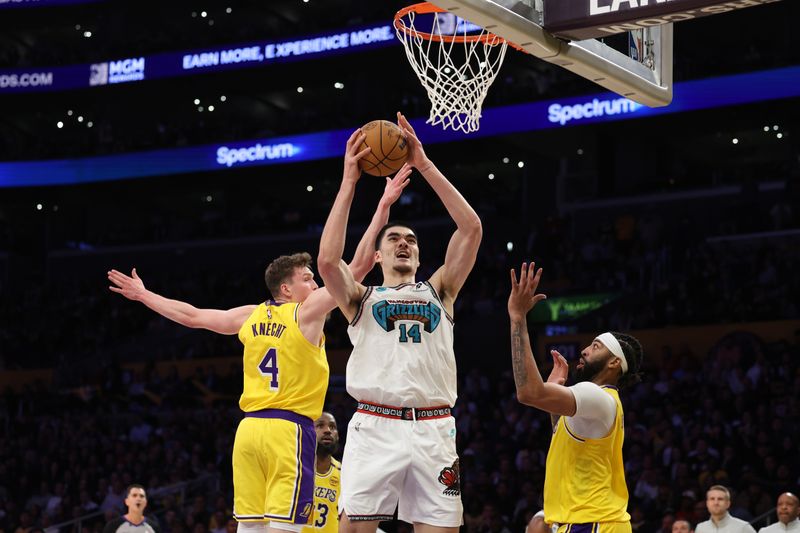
326,500
282,369
585,478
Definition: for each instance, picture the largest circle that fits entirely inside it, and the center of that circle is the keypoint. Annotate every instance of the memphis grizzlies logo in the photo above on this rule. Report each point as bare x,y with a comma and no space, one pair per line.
387,312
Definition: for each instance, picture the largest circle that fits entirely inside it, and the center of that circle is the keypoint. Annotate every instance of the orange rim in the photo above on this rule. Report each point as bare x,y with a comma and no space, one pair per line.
426,8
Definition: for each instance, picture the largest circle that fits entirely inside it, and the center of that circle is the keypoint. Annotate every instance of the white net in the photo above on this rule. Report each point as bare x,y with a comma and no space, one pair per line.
455,65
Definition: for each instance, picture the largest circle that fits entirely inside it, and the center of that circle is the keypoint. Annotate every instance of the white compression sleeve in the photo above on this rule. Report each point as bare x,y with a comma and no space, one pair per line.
595,411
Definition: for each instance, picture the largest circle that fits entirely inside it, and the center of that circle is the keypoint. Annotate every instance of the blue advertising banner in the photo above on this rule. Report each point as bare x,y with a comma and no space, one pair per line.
6,4
217,59
604,107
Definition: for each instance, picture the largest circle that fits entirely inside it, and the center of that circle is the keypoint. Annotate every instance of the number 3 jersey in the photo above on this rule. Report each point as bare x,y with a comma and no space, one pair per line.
282,369
326,500
402,348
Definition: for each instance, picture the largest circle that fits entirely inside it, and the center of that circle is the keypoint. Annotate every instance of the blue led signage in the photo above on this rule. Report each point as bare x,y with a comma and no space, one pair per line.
4,4
171,64
565,112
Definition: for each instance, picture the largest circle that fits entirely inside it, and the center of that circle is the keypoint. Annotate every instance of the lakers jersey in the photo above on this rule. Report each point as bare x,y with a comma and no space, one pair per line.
326,500
585,478
282,369
402,348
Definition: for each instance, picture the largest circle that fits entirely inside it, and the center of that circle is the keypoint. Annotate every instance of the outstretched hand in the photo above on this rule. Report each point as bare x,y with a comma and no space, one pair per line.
131,287
416,154
395,186
560,369
353,154
523,295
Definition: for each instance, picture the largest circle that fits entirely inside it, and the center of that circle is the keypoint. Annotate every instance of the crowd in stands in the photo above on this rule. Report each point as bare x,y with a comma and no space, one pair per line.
723,417
68,454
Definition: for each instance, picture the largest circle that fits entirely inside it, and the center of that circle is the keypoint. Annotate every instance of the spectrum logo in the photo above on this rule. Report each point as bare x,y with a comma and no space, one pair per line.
233,156
559,114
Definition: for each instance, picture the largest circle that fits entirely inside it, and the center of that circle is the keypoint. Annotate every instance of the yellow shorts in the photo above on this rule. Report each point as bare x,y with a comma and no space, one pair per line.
273,467
593,527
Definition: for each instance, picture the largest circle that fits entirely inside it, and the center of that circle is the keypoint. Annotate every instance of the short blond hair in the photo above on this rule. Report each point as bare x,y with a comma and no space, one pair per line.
720,488
282,269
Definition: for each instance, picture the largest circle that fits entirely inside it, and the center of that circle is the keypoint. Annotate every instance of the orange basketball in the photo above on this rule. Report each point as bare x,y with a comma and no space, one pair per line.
389,148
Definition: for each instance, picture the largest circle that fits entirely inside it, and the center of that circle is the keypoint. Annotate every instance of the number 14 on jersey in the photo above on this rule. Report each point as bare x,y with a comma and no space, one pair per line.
412,332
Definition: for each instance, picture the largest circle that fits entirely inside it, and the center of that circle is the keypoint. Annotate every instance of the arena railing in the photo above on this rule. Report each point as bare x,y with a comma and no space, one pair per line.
764,519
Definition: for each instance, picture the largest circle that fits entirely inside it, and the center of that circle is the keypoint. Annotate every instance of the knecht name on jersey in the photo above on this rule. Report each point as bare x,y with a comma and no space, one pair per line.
271,329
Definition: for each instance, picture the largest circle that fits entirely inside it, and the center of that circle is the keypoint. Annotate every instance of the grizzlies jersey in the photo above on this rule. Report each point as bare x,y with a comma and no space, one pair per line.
326,500
402,348
282,369
585,478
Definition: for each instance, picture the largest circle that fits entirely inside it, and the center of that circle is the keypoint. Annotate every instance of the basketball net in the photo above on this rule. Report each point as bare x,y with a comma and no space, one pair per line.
455,67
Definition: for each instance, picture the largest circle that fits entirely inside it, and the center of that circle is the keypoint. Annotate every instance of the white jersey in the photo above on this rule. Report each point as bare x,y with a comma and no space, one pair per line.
402,348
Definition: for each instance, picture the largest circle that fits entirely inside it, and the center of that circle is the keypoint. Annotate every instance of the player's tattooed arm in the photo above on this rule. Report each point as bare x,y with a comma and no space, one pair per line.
518,355
522,299
554,398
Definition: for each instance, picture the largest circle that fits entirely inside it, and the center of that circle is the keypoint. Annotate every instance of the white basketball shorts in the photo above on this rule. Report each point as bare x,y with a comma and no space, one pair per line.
411,466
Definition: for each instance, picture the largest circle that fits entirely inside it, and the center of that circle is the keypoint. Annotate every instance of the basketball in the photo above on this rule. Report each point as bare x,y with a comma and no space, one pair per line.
389,148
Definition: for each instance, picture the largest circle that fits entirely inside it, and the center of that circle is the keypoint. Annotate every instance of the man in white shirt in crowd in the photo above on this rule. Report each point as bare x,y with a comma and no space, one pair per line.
718,501
788,510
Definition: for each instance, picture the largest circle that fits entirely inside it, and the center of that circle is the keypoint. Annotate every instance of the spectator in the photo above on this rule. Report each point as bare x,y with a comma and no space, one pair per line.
667,521
114,496
788,510
55,501
718,500
25,523
86,503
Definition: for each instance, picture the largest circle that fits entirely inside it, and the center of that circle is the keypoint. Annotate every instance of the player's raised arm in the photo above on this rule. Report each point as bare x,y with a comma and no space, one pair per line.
339,280
321,302
531,388
364,257
463,247
227,322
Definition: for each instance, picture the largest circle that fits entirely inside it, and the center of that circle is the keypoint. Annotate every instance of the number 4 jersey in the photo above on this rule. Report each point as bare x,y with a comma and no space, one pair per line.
402,348
282,369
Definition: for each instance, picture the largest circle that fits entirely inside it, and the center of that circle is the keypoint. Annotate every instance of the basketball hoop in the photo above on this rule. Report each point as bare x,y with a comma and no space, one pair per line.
455,60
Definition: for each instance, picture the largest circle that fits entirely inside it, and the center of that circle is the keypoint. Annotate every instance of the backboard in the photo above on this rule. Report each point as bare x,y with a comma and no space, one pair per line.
645,78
